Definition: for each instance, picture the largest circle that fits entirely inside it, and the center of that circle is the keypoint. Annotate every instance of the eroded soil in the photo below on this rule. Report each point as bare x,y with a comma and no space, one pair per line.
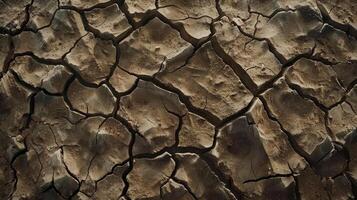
178,99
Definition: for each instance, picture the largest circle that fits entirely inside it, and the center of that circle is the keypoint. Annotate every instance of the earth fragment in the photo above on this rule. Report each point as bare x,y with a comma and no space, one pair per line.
178,99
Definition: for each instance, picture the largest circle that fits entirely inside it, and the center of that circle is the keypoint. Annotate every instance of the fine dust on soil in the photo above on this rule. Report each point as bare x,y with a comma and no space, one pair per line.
178,99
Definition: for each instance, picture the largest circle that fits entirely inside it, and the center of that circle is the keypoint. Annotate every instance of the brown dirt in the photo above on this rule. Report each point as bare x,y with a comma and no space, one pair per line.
178,99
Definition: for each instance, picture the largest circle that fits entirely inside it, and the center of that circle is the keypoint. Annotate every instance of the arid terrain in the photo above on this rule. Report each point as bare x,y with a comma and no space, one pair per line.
178,99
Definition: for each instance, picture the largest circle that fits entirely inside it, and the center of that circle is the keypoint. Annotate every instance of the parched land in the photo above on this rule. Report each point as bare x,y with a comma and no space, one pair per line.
178,99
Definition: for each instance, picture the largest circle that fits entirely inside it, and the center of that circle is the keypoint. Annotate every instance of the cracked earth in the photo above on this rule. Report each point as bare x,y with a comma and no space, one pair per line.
178,99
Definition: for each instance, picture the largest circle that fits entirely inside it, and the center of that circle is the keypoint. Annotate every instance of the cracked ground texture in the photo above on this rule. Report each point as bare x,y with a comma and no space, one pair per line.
178,99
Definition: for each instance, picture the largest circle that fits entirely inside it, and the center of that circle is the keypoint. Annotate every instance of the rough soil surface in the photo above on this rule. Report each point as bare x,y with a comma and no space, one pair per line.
178,99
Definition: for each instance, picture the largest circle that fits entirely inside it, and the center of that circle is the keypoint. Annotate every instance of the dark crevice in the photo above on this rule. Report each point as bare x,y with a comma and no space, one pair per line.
45,26
225,179
238,70
59,193
346,28
267,177
114,66
124,8
74,46
275,12
189,58
98,5
190,17
26,124
13,159
300,92
186,187
9,57
237,114
69,172
15,32
180,28
285,67
173,177
296,180
219,9
94,31
117,94
130,167
351,85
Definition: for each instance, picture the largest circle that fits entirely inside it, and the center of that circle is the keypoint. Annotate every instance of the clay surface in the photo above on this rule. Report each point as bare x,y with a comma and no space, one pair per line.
178,99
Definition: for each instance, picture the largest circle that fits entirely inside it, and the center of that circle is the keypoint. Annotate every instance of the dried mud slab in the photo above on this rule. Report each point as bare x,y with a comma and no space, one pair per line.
317,80
253,57
234,9
280,152
122,81
55,41
51,78
343,117
335,46
209,83
165,117
175,190
341,13
4,51
194,16
147,50
91,100
292,33
139,9
115,137
84,156
196,132
148,109
250,25
351,98
7,174
82,4
92,58
256,141
312,187
198,177
247,10
47,168
148,175
346,73
13,14
13,94
351,145
269,8
41,13
300,117
111,186
108,21
178,99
